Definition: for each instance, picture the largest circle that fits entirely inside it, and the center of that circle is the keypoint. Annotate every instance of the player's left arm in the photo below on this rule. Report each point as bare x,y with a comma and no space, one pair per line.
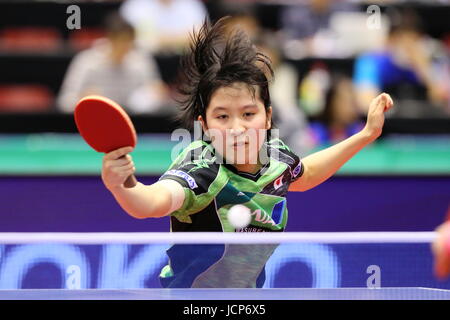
321,165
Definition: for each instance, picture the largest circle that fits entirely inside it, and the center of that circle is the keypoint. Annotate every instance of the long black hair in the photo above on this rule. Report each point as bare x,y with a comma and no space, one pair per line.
218,57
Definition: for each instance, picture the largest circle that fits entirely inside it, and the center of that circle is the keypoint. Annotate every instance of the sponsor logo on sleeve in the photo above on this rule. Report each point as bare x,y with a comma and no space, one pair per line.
191,182
297,170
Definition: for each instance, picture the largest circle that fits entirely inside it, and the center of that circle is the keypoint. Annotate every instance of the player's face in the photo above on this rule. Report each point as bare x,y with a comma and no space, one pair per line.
236,122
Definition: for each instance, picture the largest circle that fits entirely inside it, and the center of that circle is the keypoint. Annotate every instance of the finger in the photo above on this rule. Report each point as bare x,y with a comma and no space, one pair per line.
388,101
384,99
125,168
116,154
378,101
126,159
114,169
117,163
126,173
130,171
379,104
129,166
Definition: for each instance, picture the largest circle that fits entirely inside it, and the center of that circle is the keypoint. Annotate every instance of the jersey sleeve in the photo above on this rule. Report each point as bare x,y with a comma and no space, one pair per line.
196,177
297,169
285,155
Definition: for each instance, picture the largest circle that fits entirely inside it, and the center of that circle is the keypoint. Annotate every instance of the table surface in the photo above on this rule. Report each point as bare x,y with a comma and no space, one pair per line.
229,294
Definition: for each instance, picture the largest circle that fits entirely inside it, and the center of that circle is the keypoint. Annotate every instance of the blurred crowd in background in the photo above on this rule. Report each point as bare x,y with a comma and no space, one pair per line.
330,59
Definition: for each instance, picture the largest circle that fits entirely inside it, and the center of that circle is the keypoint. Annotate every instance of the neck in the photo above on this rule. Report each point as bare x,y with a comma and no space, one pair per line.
116,58
249,168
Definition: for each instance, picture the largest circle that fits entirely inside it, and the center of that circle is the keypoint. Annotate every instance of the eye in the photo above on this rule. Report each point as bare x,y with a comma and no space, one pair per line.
222,116
249,114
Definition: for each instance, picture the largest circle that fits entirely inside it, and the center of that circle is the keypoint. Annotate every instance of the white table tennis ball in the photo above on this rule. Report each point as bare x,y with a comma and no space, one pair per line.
239,216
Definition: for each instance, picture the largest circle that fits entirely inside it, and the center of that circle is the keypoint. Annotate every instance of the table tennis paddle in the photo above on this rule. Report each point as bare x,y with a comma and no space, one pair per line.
105,126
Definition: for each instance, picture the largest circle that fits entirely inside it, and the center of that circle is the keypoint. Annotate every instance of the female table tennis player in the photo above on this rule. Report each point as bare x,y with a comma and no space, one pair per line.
226,91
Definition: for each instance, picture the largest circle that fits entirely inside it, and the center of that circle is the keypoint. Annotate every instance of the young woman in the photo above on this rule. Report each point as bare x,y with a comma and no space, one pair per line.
226,91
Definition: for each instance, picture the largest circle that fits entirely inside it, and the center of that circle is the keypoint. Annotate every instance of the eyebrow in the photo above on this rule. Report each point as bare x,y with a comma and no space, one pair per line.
220,108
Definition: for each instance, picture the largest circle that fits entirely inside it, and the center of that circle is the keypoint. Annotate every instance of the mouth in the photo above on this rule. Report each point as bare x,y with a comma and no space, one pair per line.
239,144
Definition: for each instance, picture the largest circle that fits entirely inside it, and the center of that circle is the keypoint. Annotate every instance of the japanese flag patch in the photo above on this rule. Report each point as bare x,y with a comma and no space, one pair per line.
278,182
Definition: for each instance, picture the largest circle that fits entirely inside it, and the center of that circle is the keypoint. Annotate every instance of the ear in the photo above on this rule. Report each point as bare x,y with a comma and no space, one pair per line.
203,123
269,118
204,128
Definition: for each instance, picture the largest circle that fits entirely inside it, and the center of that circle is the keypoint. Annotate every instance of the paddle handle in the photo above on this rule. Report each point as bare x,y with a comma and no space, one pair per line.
130,182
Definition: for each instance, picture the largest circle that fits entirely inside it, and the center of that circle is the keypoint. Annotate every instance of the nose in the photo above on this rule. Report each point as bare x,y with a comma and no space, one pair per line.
237,128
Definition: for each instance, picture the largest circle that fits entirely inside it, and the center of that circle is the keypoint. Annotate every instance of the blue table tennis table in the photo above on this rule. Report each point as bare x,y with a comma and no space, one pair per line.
229,294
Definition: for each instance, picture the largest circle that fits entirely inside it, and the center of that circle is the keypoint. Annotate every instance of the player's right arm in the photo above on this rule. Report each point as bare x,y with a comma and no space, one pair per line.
141,201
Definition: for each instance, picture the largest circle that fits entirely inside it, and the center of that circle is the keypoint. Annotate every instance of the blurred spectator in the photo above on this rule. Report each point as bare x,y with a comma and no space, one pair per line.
313,88
411,67
85,37
25,98
288,117
305,26
164,25
233,8
30,39
247,23
112,67
340,117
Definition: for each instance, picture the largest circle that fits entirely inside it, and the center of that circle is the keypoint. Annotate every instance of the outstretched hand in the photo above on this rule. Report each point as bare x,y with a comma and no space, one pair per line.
375,115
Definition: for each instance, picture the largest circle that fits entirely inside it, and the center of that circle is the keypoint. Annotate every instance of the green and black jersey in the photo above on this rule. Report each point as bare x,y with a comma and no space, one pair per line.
211,188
